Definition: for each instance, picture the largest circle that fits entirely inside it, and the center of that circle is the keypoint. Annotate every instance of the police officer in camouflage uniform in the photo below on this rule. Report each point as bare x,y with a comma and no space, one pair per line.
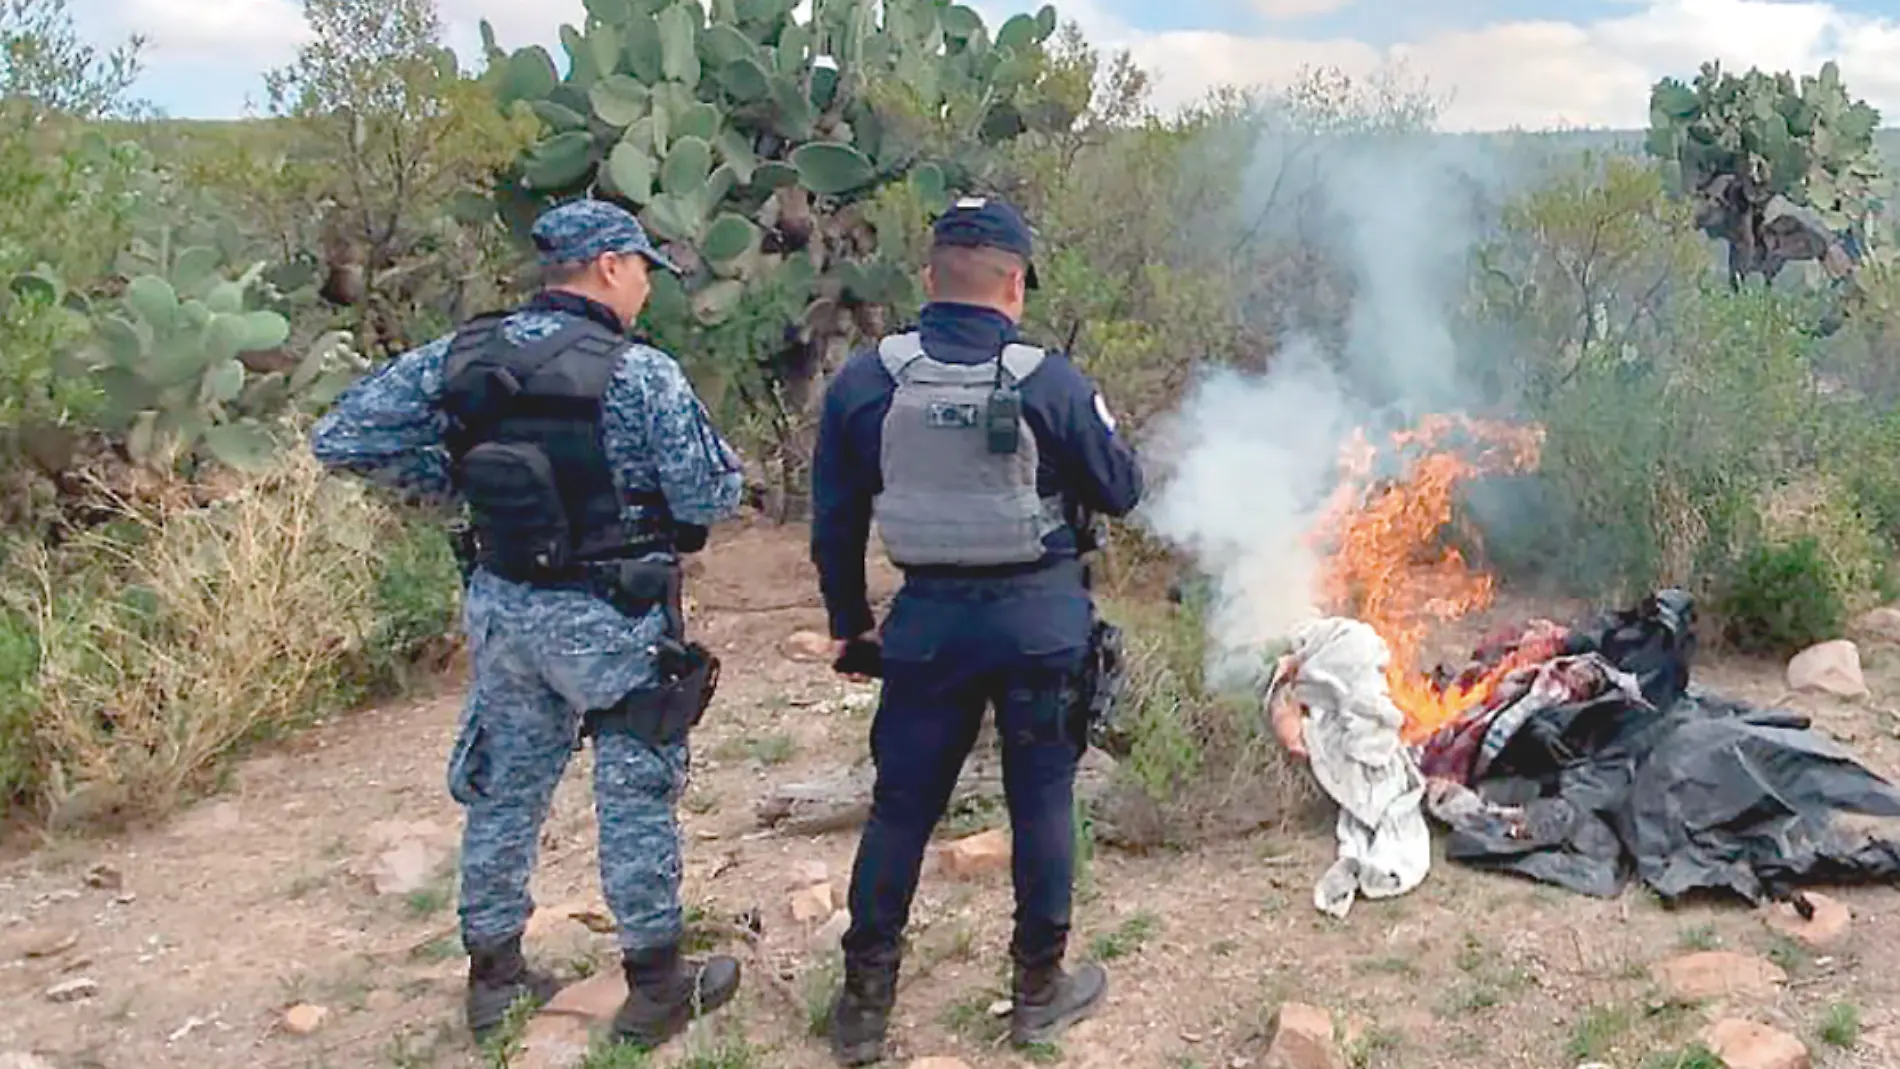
588,465
979,458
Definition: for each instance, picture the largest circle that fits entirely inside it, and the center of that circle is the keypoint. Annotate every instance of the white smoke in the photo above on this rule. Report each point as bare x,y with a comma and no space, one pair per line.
1246,462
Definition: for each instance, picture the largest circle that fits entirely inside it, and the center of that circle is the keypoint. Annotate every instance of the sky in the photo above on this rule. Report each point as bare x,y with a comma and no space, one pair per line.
1500,64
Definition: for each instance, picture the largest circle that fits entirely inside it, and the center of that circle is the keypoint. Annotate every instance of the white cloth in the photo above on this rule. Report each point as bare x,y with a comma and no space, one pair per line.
1352,734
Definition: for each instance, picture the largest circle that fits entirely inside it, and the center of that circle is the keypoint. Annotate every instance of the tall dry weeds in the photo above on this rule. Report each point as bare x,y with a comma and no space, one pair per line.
190,630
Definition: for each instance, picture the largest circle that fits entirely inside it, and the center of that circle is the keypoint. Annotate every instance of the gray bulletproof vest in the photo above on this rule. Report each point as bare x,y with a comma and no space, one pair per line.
947,500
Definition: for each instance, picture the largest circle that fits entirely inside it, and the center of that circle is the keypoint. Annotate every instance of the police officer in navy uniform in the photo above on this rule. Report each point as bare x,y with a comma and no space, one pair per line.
974,454
588,465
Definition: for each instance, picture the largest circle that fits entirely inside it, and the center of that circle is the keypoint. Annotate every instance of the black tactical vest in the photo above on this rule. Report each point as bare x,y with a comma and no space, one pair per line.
525,445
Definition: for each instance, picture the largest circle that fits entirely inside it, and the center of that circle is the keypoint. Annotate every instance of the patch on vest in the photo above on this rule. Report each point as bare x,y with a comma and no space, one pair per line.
949,415
1101,413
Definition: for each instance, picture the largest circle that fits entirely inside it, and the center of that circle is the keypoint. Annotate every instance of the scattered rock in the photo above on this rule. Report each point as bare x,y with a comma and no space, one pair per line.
566,919
1714,974
938,1062
813,903
553,1042
105,877
1824,928
977,854
73,990
21,1060
410,855
596,998
828,936
1747,1045
806,873
303,1018
1303,1039
1831,668
46,944
805,646
1882,625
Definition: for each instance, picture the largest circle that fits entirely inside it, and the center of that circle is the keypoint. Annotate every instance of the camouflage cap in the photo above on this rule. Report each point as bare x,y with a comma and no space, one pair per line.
580,231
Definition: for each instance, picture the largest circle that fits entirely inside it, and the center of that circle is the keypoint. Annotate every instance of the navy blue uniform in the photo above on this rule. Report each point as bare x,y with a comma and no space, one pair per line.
957,640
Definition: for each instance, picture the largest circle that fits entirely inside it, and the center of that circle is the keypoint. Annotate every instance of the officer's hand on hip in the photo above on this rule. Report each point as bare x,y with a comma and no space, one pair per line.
841,647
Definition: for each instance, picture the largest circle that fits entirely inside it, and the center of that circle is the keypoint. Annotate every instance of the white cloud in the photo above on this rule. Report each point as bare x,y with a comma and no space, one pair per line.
1298,9
260,32
1524,73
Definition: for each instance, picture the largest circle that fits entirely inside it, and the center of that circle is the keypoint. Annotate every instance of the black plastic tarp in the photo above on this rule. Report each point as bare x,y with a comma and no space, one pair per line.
1697,793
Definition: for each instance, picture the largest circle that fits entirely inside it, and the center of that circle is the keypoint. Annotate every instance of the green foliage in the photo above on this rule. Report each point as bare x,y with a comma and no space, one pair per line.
191,360
1783,599
46,68
769,150
1686,443
1736,144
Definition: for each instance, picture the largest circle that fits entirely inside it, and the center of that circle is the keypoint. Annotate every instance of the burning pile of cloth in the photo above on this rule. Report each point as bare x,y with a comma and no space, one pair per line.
1591,763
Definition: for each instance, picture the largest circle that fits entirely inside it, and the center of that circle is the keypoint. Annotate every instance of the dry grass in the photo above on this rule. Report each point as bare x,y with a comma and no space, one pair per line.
190,630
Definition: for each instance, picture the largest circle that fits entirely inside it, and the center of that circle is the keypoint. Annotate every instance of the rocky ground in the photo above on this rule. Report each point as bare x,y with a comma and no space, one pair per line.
304,917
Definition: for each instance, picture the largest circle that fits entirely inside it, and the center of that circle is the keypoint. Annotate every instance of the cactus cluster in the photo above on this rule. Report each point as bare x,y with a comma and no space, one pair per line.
1782,169
746,137
186,359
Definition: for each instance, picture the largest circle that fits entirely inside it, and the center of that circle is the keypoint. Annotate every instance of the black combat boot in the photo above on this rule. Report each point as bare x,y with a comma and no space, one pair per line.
497,976
665,992
1048,1000
861,1014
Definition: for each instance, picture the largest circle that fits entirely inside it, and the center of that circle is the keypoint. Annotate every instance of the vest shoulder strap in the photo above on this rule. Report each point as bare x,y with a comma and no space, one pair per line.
900,352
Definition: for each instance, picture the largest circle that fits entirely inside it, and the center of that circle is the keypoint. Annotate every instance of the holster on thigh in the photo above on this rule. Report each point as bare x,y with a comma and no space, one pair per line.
666,713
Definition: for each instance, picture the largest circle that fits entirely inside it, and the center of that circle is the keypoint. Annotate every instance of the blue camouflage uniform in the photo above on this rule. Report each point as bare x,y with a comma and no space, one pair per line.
958,639
540,657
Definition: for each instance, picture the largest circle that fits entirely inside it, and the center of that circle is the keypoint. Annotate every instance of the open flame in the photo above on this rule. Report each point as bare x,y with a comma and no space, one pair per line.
1390,564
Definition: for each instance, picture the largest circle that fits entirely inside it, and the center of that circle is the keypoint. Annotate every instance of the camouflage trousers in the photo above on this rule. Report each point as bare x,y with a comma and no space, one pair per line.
517,735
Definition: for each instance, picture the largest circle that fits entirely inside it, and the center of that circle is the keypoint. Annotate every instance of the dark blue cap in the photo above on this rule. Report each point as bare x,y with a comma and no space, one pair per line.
580,231
987,222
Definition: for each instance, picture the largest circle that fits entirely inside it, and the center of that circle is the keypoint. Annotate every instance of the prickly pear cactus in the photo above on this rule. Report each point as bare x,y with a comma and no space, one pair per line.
189,362
762,148
1782,171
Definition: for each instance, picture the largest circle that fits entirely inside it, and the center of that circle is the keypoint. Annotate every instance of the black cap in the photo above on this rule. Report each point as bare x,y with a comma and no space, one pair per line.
986,222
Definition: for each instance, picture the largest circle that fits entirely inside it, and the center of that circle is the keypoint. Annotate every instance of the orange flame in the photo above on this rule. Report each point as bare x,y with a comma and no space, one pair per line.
1390,565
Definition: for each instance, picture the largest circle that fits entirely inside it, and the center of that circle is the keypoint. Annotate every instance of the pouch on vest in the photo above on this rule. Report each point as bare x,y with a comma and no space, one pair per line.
516,505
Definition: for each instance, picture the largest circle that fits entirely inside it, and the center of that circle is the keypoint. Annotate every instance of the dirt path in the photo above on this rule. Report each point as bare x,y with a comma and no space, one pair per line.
198,934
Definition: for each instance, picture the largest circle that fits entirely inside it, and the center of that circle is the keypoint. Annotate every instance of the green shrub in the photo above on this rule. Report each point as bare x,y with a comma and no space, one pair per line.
1783,598
1199,761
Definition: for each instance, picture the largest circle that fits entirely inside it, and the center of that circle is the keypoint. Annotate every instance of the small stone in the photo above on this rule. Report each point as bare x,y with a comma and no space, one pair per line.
978,854
1715,974
1825,928
596,998
938,1062
813,903
49,944
407,867
1303,1039
1830,668
1002,1007
805,646
1747,1045
831,933
1882,625
73,990
303,1018
805,873
105,877
552,1041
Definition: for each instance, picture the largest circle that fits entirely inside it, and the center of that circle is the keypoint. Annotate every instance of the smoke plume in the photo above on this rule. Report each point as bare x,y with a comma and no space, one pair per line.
1245,463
